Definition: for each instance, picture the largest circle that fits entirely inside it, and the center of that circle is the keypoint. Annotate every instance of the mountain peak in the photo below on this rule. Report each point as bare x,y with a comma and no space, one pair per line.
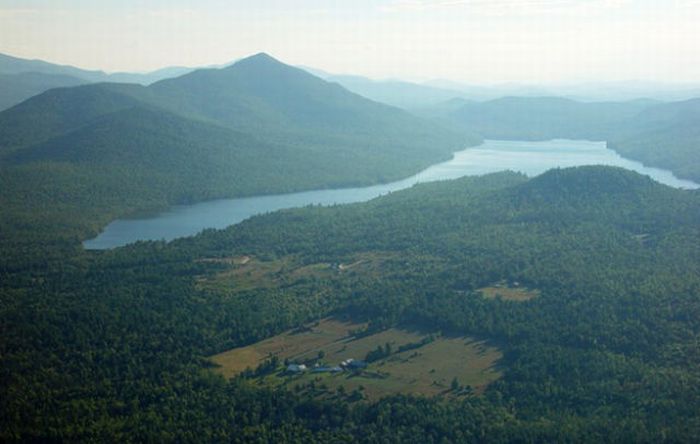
262,56
258,59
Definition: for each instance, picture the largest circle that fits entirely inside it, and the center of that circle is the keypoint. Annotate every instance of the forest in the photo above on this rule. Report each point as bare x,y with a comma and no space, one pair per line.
113,346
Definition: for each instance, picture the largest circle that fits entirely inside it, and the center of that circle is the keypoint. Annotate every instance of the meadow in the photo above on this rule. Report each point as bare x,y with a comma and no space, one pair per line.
412,362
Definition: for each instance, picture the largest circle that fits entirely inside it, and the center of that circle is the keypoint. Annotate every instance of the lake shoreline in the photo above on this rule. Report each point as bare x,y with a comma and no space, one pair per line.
529,157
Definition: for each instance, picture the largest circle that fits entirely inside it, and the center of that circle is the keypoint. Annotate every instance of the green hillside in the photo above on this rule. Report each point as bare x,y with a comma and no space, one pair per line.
666,136
113,345
61,110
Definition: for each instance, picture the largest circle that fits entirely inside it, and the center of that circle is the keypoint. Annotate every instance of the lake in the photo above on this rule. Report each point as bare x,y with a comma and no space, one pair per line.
531,158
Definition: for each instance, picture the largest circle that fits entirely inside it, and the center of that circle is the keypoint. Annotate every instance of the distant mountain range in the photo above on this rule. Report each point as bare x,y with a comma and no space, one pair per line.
21,79
396,92
402,94
16,65
415,96
582,91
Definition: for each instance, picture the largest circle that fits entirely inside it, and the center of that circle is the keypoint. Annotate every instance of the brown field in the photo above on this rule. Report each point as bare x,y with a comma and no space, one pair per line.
428,370
509,293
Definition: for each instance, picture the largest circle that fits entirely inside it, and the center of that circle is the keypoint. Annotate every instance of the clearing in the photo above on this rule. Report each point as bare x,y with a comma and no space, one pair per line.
509,292
428,365
243,273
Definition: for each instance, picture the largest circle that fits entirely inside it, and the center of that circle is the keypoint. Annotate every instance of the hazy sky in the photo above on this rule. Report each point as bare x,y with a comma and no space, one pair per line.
484,41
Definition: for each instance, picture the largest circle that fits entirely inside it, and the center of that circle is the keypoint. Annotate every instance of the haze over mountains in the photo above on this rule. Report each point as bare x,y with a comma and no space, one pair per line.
15,87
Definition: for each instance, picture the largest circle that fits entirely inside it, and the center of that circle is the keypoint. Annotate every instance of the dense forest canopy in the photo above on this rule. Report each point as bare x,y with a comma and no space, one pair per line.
112,345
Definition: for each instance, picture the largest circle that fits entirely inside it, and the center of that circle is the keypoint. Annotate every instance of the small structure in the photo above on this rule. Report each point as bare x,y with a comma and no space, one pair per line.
327,369
356,364
296,368
347,362
353,364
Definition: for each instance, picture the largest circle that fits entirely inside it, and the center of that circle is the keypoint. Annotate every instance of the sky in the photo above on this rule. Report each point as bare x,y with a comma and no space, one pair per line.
468,41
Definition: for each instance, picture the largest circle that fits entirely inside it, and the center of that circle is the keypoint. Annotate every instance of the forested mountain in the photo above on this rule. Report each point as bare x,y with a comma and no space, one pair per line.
256,127
257,95
667,136
112,346
663,135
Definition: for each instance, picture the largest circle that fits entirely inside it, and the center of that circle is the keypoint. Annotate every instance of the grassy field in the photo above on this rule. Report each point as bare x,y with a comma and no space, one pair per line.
247,272
327,333
509,292
427,370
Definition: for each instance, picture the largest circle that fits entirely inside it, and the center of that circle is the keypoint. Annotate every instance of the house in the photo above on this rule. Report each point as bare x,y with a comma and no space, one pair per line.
353,364
296,368
347,362
327,369
356,365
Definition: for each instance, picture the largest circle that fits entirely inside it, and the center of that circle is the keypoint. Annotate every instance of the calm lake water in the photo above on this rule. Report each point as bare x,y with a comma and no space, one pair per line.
531,158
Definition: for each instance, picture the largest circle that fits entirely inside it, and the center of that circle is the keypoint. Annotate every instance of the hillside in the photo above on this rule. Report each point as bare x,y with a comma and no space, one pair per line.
604,349
256,127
